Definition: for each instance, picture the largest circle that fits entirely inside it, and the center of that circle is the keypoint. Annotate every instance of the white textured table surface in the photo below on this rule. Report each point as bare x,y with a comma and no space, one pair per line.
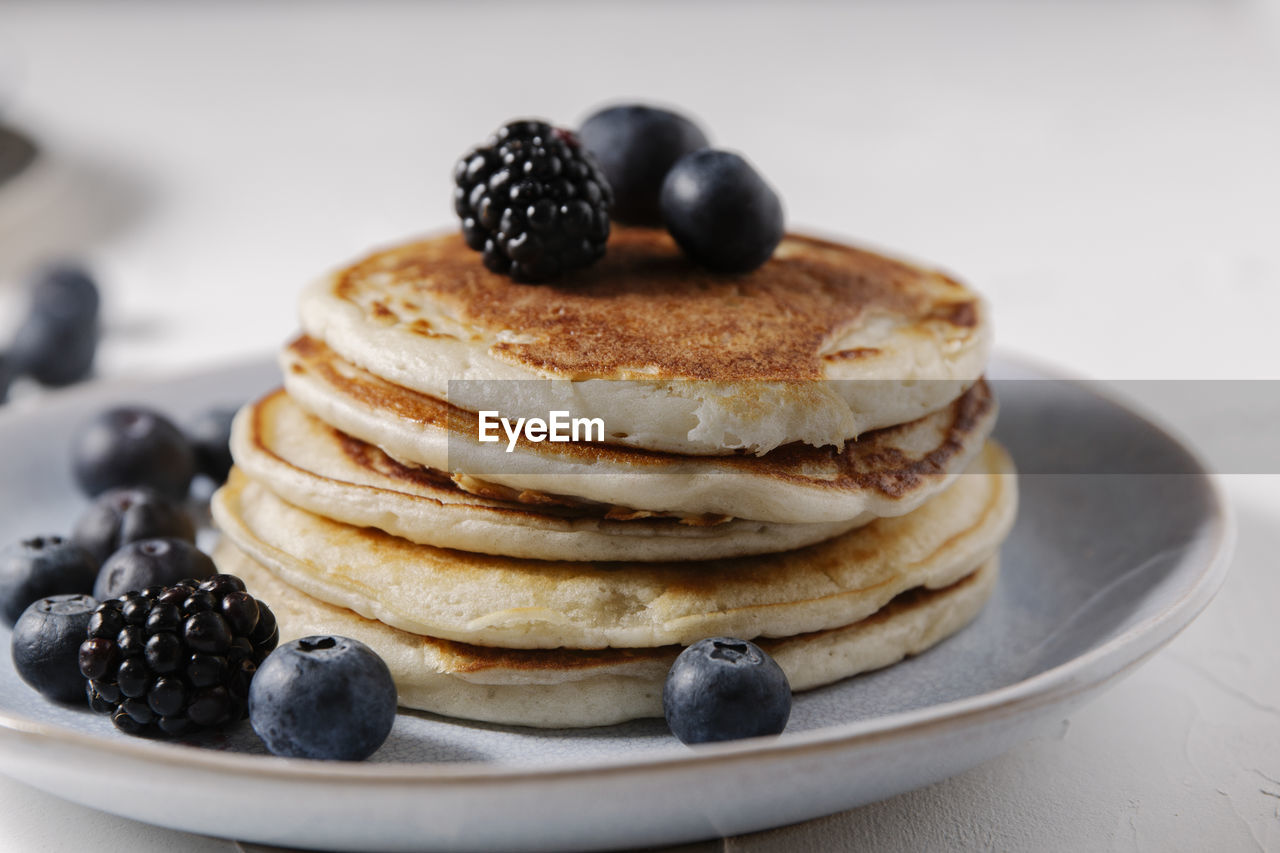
1106,173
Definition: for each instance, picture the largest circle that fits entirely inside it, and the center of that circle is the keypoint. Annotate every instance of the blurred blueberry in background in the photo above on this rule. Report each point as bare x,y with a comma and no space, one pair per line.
58,338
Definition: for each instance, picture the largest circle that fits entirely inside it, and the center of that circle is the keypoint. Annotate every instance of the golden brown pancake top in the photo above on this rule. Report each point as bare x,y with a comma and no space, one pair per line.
646,310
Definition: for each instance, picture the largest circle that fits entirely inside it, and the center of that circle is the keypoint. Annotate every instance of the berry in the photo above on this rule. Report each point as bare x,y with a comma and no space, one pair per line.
170,673
533,201
635,146
55,344
325,698
53,350
721,212
725,689
66,290
149,563
8,373
133,446
120,516
46,642
210,437
39,567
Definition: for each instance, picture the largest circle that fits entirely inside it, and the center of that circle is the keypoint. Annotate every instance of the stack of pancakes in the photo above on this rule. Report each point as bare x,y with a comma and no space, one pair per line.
782,462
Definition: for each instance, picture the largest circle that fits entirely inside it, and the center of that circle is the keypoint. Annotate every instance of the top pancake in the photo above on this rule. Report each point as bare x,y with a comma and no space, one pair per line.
676,358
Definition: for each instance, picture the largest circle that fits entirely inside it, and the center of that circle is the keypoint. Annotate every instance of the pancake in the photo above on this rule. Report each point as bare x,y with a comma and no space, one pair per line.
513,603
674,358
887,472
315,467
557,688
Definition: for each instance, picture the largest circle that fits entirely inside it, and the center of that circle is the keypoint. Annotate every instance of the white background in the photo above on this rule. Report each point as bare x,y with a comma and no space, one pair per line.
1105,172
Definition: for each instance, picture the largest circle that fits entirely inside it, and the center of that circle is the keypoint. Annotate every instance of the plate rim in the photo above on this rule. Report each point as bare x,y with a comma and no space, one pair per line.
1059,682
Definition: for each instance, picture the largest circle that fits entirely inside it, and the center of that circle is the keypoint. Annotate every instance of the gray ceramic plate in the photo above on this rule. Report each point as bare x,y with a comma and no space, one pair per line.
1105,565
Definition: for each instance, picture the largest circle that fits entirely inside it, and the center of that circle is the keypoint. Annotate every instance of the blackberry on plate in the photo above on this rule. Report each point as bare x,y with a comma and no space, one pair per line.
177,659
533,201
120,516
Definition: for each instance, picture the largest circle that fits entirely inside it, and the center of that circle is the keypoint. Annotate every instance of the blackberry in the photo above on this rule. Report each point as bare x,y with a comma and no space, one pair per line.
533,201
177,659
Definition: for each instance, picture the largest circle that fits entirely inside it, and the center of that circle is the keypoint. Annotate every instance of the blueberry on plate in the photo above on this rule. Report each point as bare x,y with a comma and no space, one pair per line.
323,697
46,645
133,446
39,567
150,563
176,659
120,516
725,689
209,434
635,146
721,212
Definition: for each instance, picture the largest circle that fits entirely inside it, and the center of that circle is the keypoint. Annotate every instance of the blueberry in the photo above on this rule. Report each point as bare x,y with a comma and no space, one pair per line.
42,566
721,212
323,697
53,350
148,563
133,446
725,689
56,343
8,372
120,516
66,290
46,645
635,145
209,434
